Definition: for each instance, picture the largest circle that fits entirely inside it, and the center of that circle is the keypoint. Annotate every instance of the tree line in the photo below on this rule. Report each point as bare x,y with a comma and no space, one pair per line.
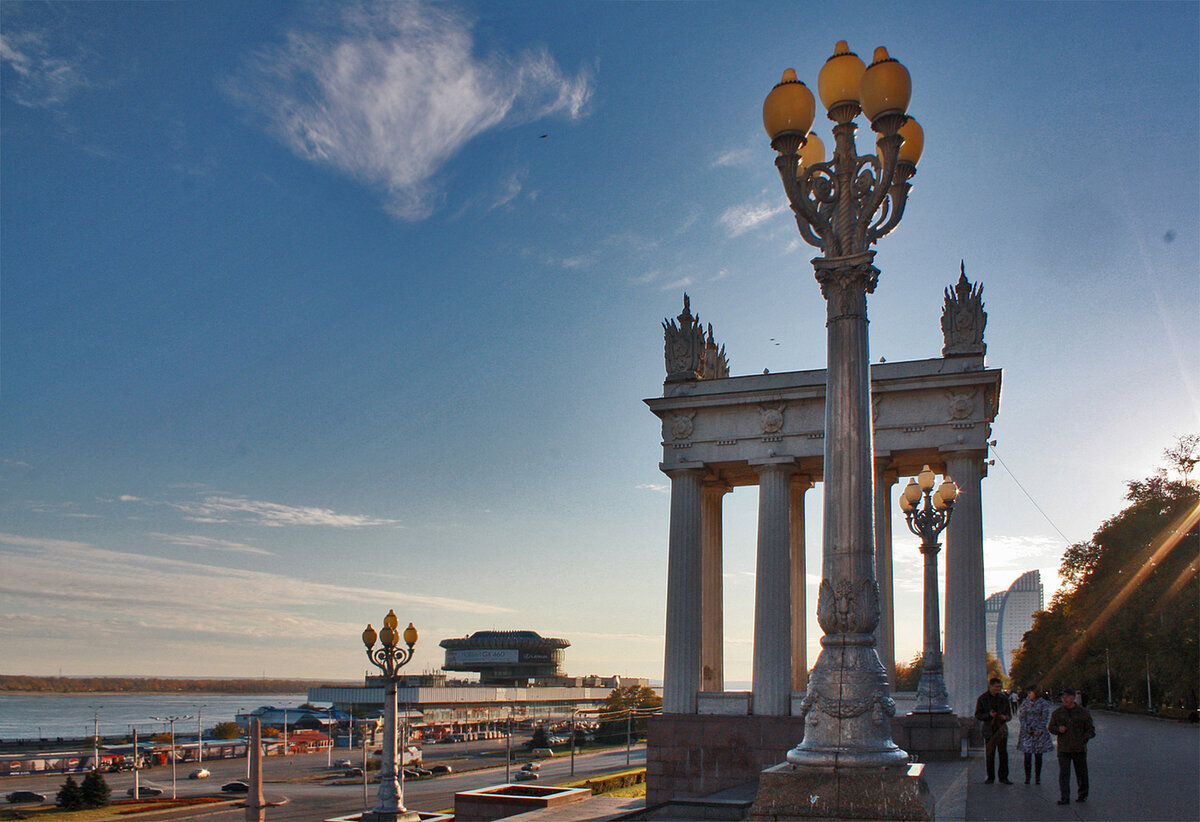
90,684
1128,611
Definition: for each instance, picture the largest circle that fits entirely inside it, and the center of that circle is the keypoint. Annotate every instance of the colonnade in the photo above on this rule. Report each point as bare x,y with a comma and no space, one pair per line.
694,661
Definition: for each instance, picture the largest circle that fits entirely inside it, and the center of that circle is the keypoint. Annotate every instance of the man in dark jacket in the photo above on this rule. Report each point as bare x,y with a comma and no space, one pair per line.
1073,726
994,710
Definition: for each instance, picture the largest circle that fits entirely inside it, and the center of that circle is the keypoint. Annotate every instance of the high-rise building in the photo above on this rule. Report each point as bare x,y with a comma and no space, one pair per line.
1010,614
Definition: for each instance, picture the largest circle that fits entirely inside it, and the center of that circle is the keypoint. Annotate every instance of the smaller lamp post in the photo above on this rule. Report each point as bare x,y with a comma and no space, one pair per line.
927,512
389,658
172,720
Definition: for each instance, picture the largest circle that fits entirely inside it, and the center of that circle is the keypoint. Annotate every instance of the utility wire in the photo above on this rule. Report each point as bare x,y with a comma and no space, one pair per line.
992,448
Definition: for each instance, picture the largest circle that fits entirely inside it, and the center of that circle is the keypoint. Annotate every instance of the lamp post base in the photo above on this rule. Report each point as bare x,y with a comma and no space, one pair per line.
390,816
932,735
793,792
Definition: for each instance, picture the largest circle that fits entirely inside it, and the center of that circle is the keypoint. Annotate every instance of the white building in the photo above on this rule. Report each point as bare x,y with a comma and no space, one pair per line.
1010,614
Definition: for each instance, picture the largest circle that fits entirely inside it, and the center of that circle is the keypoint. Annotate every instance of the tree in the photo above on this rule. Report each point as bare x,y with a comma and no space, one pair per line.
69,796
907,677
226,730
633,700
1130,602
95,791
540,738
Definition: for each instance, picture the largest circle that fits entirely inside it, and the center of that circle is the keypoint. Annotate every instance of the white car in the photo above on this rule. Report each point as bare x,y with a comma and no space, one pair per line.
200,773
342,763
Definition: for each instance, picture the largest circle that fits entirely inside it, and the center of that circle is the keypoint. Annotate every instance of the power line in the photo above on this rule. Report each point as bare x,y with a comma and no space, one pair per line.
992,448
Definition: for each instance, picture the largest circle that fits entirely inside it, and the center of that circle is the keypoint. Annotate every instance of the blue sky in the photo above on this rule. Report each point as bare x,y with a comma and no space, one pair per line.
314,310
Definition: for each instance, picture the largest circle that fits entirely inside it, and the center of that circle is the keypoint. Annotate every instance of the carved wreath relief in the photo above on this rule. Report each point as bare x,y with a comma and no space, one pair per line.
843,609
962,404
814,704
682,425
772,418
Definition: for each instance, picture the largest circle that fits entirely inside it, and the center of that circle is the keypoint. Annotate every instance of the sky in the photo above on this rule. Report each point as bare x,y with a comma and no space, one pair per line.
309,311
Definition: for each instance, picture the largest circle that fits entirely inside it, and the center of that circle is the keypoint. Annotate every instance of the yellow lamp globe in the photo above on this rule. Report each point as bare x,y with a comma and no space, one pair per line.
387,635
937,500
840,77
925,479
410,635
789,108
914,141
886,86
390,620
368,636
912,492
948,490
905,505
811,153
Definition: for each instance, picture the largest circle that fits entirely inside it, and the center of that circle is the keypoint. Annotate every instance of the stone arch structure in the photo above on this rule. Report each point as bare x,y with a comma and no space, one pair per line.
721,432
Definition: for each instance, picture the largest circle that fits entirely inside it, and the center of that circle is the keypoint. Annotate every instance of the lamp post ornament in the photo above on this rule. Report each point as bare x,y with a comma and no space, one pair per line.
389,658
928,513
842,207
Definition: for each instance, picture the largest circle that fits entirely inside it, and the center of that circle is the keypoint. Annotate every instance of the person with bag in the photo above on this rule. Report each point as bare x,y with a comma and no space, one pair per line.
993,710
1035,739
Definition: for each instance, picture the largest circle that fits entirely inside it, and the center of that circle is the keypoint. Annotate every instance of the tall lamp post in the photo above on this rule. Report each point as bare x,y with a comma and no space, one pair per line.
928,512
172,720
389,658
842,207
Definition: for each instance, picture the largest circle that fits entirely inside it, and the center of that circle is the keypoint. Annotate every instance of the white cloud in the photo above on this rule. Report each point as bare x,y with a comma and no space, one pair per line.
211,544
682,282
734,157
654,486
46,72
215,509
742,218
391,91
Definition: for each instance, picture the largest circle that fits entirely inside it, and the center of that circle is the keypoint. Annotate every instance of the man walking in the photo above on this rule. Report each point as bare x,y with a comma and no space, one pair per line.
1073,726
994,710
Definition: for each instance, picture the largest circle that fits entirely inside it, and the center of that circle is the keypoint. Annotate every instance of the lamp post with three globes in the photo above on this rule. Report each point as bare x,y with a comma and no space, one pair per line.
389,658
842,207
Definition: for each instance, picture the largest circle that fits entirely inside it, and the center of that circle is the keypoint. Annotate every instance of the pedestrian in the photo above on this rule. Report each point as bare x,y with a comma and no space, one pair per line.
1073,726
1035,739
992,709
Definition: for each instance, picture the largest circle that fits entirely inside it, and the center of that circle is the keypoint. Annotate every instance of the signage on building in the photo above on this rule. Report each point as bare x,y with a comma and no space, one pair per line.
483,656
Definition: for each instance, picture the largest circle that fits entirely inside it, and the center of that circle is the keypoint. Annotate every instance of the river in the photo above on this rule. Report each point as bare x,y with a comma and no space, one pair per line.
72,716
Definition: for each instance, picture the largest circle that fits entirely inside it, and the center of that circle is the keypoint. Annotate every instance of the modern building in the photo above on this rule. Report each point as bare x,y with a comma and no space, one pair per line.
506,658
1010,614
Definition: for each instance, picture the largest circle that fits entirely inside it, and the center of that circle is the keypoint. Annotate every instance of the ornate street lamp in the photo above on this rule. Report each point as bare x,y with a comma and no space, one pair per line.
927,520
842,207
389,658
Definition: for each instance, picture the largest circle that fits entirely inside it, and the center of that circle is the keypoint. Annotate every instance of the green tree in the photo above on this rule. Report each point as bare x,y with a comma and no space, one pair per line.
1130,600
636,700
907,677
540,738
226,730
95,791
70,796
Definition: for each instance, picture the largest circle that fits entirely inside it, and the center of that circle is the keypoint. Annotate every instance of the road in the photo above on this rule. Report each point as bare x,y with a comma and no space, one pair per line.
309,798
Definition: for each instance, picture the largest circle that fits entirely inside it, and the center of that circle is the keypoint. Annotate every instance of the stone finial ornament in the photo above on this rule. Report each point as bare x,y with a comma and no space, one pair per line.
963,318
689,354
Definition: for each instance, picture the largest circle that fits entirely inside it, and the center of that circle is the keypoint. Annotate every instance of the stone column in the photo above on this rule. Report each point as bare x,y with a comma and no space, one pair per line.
965,658
773,592
681,669
799,487
712,588
885,634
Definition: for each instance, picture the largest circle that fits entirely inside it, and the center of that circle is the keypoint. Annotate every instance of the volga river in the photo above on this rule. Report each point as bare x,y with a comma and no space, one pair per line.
72,716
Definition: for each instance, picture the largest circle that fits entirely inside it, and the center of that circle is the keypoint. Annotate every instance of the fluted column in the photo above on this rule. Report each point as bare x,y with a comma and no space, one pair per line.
799,487
773,592
885,634
712,588
966,652
681,669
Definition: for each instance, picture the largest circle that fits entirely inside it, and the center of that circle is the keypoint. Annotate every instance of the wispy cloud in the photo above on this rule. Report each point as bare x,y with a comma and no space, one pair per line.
73,578
211,544
391,91
219,509
682,282
742,218
654,486
734,157
46,70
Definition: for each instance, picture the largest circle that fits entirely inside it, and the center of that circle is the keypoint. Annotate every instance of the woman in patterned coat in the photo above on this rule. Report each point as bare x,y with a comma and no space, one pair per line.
1035,738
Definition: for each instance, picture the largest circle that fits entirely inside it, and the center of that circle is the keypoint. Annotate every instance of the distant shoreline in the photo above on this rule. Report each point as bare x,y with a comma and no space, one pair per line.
115,686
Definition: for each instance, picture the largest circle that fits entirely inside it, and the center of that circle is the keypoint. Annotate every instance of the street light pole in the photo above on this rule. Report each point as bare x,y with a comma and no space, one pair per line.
172,720
842,207
200,734
96,737
928,513
389,658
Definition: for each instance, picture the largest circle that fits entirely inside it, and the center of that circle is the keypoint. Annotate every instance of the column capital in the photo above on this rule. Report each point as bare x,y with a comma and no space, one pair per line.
683,469
713,482
787,464
801,482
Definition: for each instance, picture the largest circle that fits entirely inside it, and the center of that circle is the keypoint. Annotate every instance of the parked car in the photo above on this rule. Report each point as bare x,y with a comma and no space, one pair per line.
436,769
199,773
236,787
353,772
25,796
144,790
342,763
525,776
